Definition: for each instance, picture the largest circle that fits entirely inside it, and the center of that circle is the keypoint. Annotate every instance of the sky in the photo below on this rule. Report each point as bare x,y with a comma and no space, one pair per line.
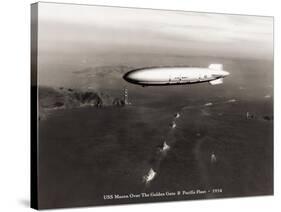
75,37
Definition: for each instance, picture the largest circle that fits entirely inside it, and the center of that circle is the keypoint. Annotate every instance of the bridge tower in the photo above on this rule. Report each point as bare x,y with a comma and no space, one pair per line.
126,100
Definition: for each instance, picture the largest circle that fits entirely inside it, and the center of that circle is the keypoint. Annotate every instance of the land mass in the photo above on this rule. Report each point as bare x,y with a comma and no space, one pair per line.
65,98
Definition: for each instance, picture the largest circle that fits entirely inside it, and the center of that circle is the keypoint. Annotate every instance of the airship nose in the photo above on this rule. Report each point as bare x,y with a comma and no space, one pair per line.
135,76
129,77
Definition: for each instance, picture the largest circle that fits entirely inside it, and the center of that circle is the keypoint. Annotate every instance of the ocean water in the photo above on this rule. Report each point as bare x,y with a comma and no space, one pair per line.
86,153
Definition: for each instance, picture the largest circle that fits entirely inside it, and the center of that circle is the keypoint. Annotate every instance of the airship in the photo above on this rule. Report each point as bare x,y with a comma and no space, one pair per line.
160,76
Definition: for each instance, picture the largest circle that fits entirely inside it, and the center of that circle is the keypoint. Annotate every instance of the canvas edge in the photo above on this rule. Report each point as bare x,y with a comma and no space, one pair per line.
33,113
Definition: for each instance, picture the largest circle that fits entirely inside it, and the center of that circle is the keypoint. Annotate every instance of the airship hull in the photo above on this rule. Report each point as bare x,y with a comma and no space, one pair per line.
162,76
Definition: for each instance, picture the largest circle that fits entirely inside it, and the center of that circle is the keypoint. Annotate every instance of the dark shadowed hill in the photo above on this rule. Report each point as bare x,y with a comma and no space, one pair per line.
64,98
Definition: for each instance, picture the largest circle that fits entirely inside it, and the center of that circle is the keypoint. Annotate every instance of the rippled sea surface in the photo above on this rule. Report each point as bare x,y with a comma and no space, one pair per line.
86,153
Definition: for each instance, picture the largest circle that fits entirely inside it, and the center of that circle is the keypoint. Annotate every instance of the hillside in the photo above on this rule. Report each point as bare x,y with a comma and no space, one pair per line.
64,98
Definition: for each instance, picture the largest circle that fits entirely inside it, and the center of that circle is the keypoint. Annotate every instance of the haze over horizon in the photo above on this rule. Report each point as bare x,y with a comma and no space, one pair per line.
72,38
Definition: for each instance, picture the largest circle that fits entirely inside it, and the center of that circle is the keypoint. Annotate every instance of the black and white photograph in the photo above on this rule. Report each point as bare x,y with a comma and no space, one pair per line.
144,105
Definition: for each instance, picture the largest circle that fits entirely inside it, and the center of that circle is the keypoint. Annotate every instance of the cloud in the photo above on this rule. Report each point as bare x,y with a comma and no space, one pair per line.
73,26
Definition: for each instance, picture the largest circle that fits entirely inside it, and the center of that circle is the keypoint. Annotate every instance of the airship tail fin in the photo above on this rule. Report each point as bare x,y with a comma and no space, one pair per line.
217,81
218,67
